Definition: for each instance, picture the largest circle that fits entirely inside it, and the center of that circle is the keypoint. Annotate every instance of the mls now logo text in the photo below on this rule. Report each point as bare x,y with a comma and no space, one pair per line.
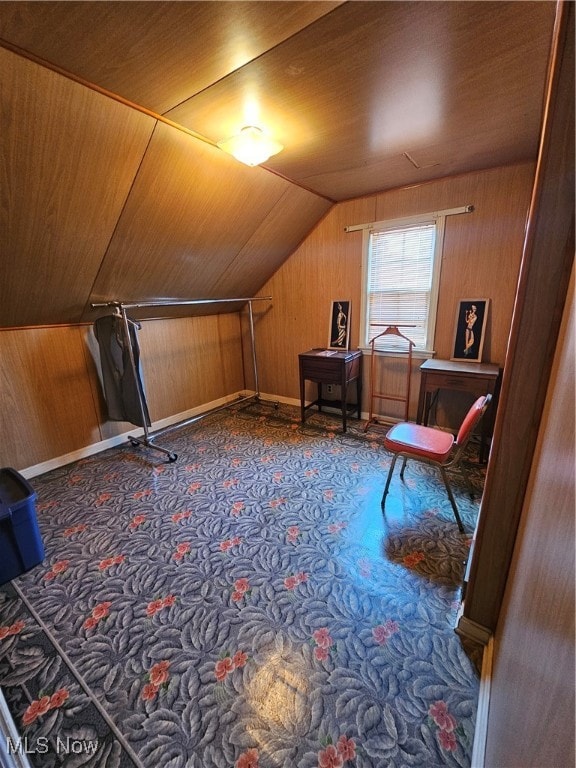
42,745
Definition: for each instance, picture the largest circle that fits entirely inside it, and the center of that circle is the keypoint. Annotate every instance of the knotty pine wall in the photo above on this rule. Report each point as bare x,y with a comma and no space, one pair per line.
50,396
482,253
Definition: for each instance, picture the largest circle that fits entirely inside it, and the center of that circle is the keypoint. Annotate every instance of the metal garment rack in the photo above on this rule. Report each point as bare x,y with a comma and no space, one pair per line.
120,308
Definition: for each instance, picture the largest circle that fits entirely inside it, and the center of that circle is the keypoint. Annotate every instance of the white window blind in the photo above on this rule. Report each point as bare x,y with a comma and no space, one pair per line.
400,284
401,276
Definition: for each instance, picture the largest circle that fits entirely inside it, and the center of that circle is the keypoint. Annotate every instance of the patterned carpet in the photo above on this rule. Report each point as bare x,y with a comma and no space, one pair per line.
248,606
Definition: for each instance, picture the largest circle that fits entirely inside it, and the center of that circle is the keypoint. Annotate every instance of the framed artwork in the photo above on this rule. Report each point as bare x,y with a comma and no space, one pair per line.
470,329
339,331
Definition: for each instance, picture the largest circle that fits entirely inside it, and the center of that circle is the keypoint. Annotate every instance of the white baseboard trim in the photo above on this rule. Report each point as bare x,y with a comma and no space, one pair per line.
481,727
385,421
279,399
112,442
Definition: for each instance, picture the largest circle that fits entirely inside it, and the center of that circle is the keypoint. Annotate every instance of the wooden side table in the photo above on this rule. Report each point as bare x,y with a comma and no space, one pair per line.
475,378
326,366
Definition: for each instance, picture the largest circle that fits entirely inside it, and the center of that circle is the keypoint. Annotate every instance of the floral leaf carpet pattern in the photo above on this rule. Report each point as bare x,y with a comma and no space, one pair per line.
248,606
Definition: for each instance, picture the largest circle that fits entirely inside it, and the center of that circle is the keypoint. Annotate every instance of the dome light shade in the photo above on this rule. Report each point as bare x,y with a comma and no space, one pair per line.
251,146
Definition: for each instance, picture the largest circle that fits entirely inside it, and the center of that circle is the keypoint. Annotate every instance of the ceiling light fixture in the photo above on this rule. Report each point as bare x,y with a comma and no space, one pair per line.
251,146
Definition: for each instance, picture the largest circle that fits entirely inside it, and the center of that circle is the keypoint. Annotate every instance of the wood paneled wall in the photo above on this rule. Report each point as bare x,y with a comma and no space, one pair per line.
547,260
482,255
532,690
50,396
46,403
191,361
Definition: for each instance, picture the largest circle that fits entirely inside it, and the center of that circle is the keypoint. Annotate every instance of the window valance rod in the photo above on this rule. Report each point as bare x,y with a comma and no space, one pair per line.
421,217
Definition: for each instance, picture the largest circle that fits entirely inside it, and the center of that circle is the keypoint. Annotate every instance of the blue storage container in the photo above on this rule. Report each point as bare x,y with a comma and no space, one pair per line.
21,546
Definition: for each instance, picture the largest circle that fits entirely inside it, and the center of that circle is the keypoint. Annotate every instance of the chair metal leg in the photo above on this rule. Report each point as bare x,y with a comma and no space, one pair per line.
466,479
403,467
452,499
390,471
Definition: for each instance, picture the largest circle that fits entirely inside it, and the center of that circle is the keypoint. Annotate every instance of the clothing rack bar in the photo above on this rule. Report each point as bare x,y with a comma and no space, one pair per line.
120,307
176,302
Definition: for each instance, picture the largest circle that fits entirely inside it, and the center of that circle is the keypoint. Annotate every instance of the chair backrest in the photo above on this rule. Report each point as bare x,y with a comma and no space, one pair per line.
471,419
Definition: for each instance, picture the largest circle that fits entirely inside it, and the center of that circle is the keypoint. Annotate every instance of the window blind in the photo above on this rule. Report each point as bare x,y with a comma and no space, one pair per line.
400,273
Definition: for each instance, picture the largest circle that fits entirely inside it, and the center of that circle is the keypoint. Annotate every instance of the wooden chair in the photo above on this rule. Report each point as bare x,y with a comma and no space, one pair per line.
433,446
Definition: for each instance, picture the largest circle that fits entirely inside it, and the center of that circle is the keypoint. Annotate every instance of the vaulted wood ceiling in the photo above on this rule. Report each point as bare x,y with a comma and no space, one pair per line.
111,183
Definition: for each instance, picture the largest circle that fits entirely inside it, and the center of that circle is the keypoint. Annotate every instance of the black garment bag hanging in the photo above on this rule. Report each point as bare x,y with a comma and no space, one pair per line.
121,371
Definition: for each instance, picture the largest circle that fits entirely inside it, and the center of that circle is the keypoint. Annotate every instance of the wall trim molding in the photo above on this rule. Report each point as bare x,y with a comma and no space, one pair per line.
481,727
112,442
383,421
470,630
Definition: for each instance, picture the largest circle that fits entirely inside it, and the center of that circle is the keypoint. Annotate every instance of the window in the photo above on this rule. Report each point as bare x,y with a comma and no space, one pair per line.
401,276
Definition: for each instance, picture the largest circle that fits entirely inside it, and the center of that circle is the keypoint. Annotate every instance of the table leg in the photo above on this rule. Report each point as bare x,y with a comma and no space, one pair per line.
344,404
421,401
429,399
482,451
427,404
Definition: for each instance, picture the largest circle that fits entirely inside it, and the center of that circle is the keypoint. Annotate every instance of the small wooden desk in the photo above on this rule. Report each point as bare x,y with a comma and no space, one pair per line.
331,367
475,378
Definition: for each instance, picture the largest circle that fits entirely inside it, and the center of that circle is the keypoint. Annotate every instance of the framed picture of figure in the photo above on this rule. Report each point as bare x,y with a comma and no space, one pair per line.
471,317
339,333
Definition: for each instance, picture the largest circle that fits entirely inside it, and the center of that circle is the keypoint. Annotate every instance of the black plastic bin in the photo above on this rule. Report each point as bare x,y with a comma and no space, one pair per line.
21,546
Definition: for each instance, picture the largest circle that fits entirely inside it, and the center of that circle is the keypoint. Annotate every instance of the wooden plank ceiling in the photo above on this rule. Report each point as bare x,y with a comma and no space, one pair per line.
111,184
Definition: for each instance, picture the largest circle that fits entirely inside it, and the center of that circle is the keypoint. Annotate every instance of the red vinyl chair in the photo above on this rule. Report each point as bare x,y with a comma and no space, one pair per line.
433,446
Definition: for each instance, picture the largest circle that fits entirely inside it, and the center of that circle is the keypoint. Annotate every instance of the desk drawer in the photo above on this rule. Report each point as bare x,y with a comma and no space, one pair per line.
326,378
471,384
322,370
